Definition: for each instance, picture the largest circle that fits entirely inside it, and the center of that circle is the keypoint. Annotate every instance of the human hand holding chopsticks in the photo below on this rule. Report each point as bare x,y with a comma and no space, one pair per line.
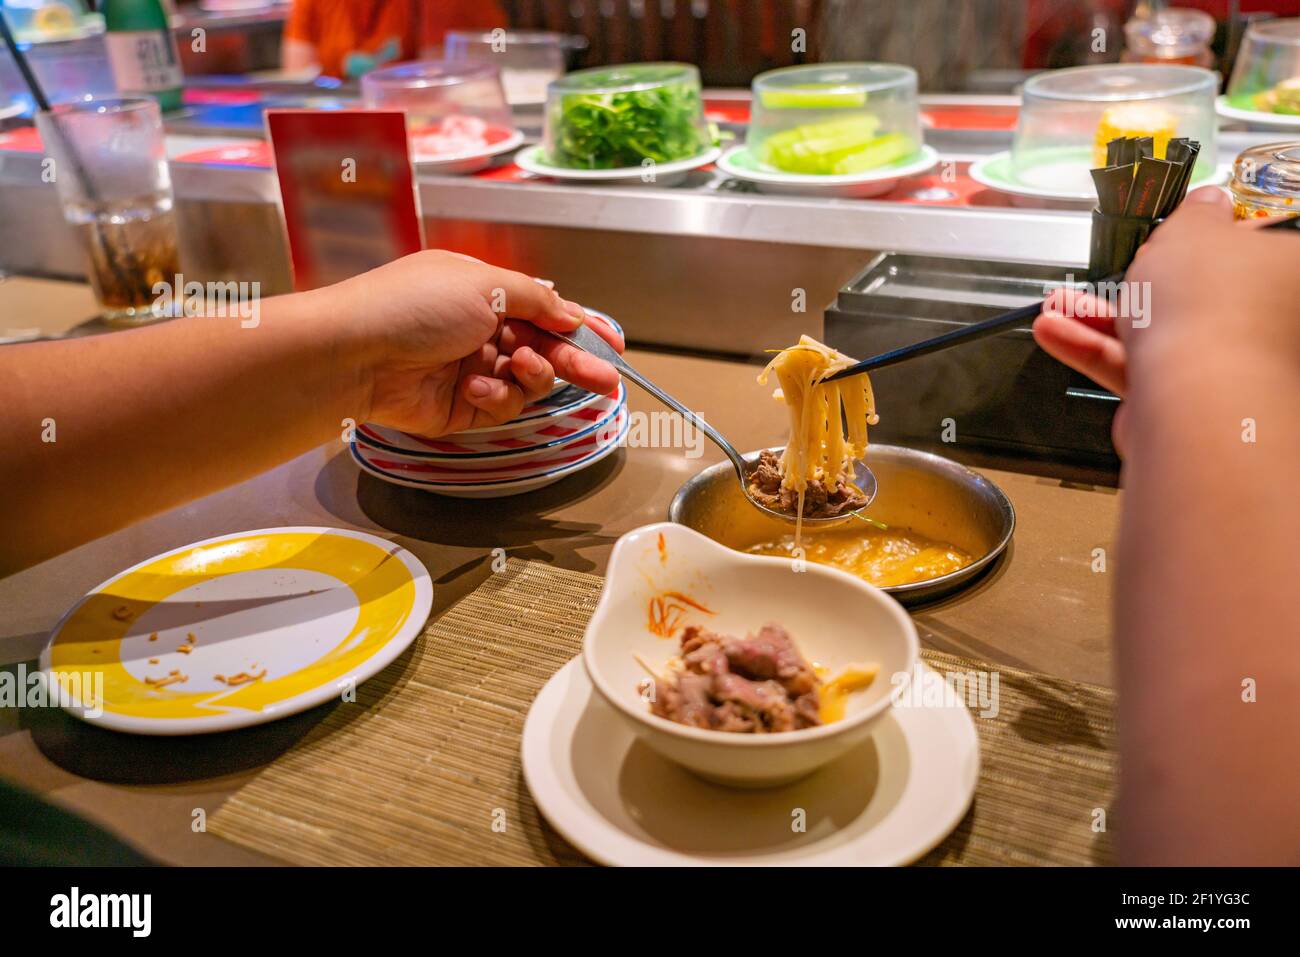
1210,432
1207,284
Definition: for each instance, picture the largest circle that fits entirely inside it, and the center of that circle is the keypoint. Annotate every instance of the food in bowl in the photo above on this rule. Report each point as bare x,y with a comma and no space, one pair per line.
828,433
759,684
836,619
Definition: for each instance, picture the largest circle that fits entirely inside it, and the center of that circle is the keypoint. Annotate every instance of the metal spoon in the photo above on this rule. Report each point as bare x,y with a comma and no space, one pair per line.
586,340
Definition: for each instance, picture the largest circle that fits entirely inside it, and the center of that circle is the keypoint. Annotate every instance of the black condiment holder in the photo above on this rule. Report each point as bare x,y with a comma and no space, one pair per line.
1115,241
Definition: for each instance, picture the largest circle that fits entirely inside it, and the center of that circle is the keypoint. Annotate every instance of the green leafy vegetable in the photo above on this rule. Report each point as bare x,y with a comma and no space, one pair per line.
617,130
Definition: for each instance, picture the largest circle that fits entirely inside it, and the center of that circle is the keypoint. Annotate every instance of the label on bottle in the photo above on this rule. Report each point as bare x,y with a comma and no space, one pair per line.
143,61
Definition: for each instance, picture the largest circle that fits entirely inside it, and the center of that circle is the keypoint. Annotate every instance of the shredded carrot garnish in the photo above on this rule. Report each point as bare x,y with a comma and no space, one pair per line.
663,548
668,611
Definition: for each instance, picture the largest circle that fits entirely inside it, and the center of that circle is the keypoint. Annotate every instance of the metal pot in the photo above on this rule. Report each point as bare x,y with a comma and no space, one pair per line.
927,493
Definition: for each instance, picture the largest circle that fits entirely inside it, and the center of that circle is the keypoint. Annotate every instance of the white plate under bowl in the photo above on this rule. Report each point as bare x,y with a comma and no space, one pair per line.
532,160
850,186
500,489
887,803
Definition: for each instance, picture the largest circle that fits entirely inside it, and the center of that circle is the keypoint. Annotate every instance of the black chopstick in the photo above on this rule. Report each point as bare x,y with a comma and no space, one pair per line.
982,330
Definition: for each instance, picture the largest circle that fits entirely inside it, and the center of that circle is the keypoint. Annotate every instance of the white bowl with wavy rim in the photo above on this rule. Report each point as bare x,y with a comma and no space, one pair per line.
834,618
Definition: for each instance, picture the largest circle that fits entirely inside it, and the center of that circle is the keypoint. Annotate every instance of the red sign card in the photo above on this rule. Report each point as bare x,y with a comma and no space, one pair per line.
347,191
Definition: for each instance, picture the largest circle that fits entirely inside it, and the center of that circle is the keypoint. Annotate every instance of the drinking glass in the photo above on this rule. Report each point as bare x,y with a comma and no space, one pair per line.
110,169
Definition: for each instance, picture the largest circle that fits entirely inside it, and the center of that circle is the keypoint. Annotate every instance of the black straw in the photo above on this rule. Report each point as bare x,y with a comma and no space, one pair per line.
24,67
78,168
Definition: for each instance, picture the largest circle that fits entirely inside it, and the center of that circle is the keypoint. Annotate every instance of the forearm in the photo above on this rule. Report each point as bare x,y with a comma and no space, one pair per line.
101,432
1207,609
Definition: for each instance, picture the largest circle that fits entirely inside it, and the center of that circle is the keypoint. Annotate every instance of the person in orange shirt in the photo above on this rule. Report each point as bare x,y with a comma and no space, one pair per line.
347,38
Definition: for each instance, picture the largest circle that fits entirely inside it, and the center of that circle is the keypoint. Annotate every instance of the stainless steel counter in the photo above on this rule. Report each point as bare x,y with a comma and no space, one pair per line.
706,265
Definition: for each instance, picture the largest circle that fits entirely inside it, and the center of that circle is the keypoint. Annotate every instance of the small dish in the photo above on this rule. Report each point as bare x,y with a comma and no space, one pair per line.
1256,118
533,160
834,618
885,803
739,163
500,141
1063,176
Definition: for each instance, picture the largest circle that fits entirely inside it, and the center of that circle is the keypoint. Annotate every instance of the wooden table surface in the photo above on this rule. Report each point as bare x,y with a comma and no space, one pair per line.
1043,608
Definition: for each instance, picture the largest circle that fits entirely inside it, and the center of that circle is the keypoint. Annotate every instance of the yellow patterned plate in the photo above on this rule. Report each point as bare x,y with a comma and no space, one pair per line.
237,630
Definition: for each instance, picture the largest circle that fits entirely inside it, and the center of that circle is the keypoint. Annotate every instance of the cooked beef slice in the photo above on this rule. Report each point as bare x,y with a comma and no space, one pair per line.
756,684
819,501
685,700
771,654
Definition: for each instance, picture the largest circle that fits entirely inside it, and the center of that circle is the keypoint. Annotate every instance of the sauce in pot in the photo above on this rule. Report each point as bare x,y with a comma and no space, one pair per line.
882,557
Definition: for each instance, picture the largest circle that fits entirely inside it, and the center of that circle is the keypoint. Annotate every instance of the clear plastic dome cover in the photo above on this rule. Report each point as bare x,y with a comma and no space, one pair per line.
1266,77
626,116
451,108
834,119
1068,116
528,59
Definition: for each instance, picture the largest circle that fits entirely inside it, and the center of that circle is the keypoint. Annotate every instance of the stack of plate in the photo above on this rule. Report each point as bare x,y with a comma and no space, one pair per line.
564,433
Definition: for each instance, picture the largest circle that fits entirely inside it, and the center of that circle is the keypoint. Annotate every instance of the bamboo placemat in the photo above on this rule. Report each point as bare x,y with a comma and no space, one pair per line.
424,767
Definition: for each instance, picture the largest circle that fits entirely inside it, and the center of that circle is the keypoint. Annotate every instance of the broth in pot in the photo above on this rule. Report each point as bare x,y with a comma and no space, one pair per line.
881,557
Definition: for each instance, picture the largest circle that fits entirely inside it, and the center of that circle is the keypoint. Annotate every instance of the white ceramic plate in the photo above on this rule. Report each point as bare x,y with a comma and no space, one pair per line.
461,164
308,612
547,434
532,160
1067,181
617,801
501,488
480,472
1259,118
737,164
